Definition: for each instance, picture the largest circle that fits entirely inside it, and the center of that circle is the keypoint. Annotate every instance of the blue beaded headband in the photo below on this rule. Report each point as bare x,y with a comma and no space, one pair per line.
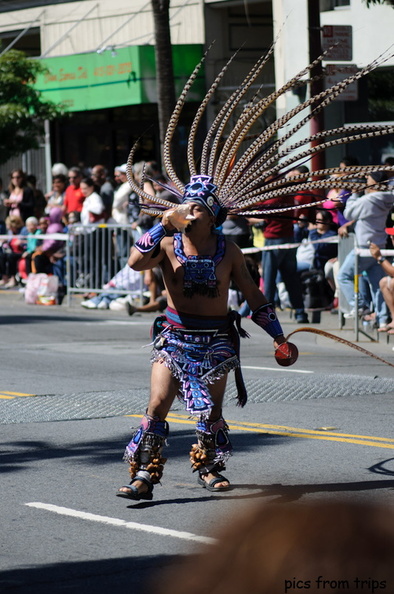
200,189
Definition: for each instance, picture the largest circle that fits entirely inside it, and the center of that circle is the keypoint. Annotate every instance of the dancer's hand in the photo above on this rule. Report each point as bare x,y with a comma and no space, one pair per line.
178,218
279,340
286,353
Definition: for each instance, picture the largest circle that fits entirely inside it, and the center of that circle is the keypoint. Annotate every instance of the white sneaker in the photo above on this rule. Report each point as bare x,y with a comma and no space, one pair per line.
361,312
121,300
118,304
349,314
89,304
103,305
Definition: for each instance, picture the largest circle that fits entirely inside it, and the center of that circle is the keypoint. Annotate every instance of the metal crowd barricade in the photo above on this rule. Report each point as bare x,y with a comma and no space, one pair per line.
94,255
359,253
345,246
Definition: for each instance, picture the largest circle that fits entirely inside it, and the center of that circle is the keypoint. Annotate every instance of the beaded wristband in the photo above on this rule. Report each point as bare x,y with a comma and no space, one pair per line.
150,239
265,317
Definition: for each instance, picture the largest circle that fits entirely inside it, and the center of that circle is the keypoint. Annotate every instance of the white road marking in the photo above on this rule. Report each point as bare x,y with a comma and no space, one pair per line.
278,369
65,511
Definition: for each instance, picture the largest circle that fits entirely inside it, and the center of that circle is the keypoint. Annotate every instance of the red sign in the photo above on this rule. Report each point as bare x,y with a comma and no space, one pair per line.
337,40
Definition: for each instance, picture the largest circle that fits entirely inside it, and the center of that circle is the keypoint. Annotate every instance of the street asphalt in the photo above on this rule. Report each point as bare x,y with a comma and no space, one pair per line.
74,383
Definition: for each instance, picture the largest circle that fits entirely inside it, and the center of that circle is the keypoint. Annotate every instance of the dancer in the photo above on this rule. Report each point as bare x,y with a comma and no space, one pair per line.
193,351
196,342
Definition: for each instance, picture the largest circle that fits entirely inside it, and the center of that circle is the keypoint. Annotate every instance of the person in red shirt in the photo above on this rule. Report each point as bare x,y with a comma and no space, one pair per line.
303,197
279,230
73,199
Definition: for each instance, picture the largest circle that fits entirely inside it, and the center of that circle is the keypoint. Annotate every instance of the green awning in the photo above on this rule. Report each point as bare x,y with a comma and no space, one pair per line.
125,76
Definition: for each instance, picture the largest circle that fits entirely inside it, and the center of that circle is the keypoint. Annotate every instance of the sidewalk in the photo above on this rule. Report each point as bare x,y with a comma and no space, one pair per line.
378,343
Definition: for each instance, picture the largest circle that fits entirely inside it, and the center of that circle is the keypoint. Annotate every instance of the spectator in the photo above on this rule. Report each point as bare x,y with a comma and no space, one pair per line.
59,169
93,209
134,216
152,169
153,279
121,197
337,198
386,284
39,198
11,251
117,180
144,221
74,198
303,196
51,250
104,187
301,229
100,262
120,214
24,264
73,217
125,280
20,201
161,188
370,213
390,174
238,230
323,252
57,195
140,170
3,209
253,268
43,223
278,231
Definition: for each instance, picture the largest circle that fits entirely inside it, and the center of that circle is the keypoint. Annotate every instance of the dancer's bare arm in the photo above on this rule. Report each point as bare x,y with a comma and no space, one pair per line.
248,287
150,249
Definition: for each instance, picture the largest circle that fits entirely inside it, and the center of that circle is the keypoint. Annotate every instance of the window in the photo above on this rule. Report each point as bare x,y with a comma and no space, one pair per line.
11,5
29,43
333,4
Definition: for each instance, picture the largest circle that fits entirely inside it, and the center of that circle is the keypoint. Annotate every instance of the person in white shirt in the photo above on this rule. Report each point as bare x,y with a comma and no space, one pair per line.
93,205
121,196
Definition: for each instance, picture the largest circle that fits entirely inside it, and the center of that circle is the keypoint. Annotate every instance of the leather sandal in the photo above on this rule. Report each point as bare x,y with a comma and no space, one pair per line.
210,486
133,492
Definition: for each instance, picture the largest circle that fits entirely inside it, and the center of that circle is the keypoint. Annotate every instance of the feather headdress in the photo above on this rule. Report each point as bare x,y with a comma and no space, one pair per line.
236,180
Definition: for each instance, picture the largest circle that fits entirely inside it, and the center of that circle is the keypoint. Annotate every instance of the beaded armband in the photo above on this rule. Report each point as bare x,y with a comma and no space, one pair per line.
150,239
265,317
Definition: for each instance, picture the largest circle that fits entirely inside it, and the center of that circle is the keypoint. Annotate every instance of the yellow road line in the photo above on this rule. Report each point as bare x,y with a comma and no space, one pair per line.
9,395
372,441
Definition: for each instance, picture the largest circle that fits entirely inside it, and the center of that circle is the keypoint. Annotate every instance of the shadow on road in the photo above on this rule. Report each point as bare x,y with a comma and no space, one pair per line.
11,320
126,574
18,455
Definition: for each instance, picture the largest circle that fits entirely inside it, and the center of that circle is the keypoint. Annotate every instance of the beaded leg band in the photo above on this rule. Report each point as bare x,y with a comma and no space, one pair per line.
213,448
143,453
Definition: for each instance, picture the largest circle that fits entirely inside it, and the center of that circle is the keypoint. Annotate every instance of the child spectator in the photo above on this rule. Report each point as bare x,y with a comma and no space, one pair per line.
11,251
24,264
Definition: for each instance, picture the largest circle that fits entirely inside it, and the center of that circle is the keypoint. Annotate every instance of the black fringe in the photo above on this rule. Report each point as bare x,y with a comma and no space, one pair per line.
200,289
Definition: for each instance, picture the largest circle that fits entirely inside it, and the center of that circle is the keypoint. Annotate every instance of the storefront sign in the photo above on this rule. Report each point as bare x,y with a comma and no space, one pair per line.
115,77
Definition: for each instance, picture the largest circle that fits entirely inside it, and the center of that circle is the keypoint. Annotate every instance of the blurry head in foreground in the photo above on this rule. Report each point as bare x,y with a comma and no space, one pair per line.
283,549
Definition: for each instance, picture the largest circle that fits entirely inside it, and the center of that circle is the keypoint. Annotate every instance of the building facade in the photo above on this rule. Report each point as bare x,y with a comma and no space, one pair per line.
99,55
